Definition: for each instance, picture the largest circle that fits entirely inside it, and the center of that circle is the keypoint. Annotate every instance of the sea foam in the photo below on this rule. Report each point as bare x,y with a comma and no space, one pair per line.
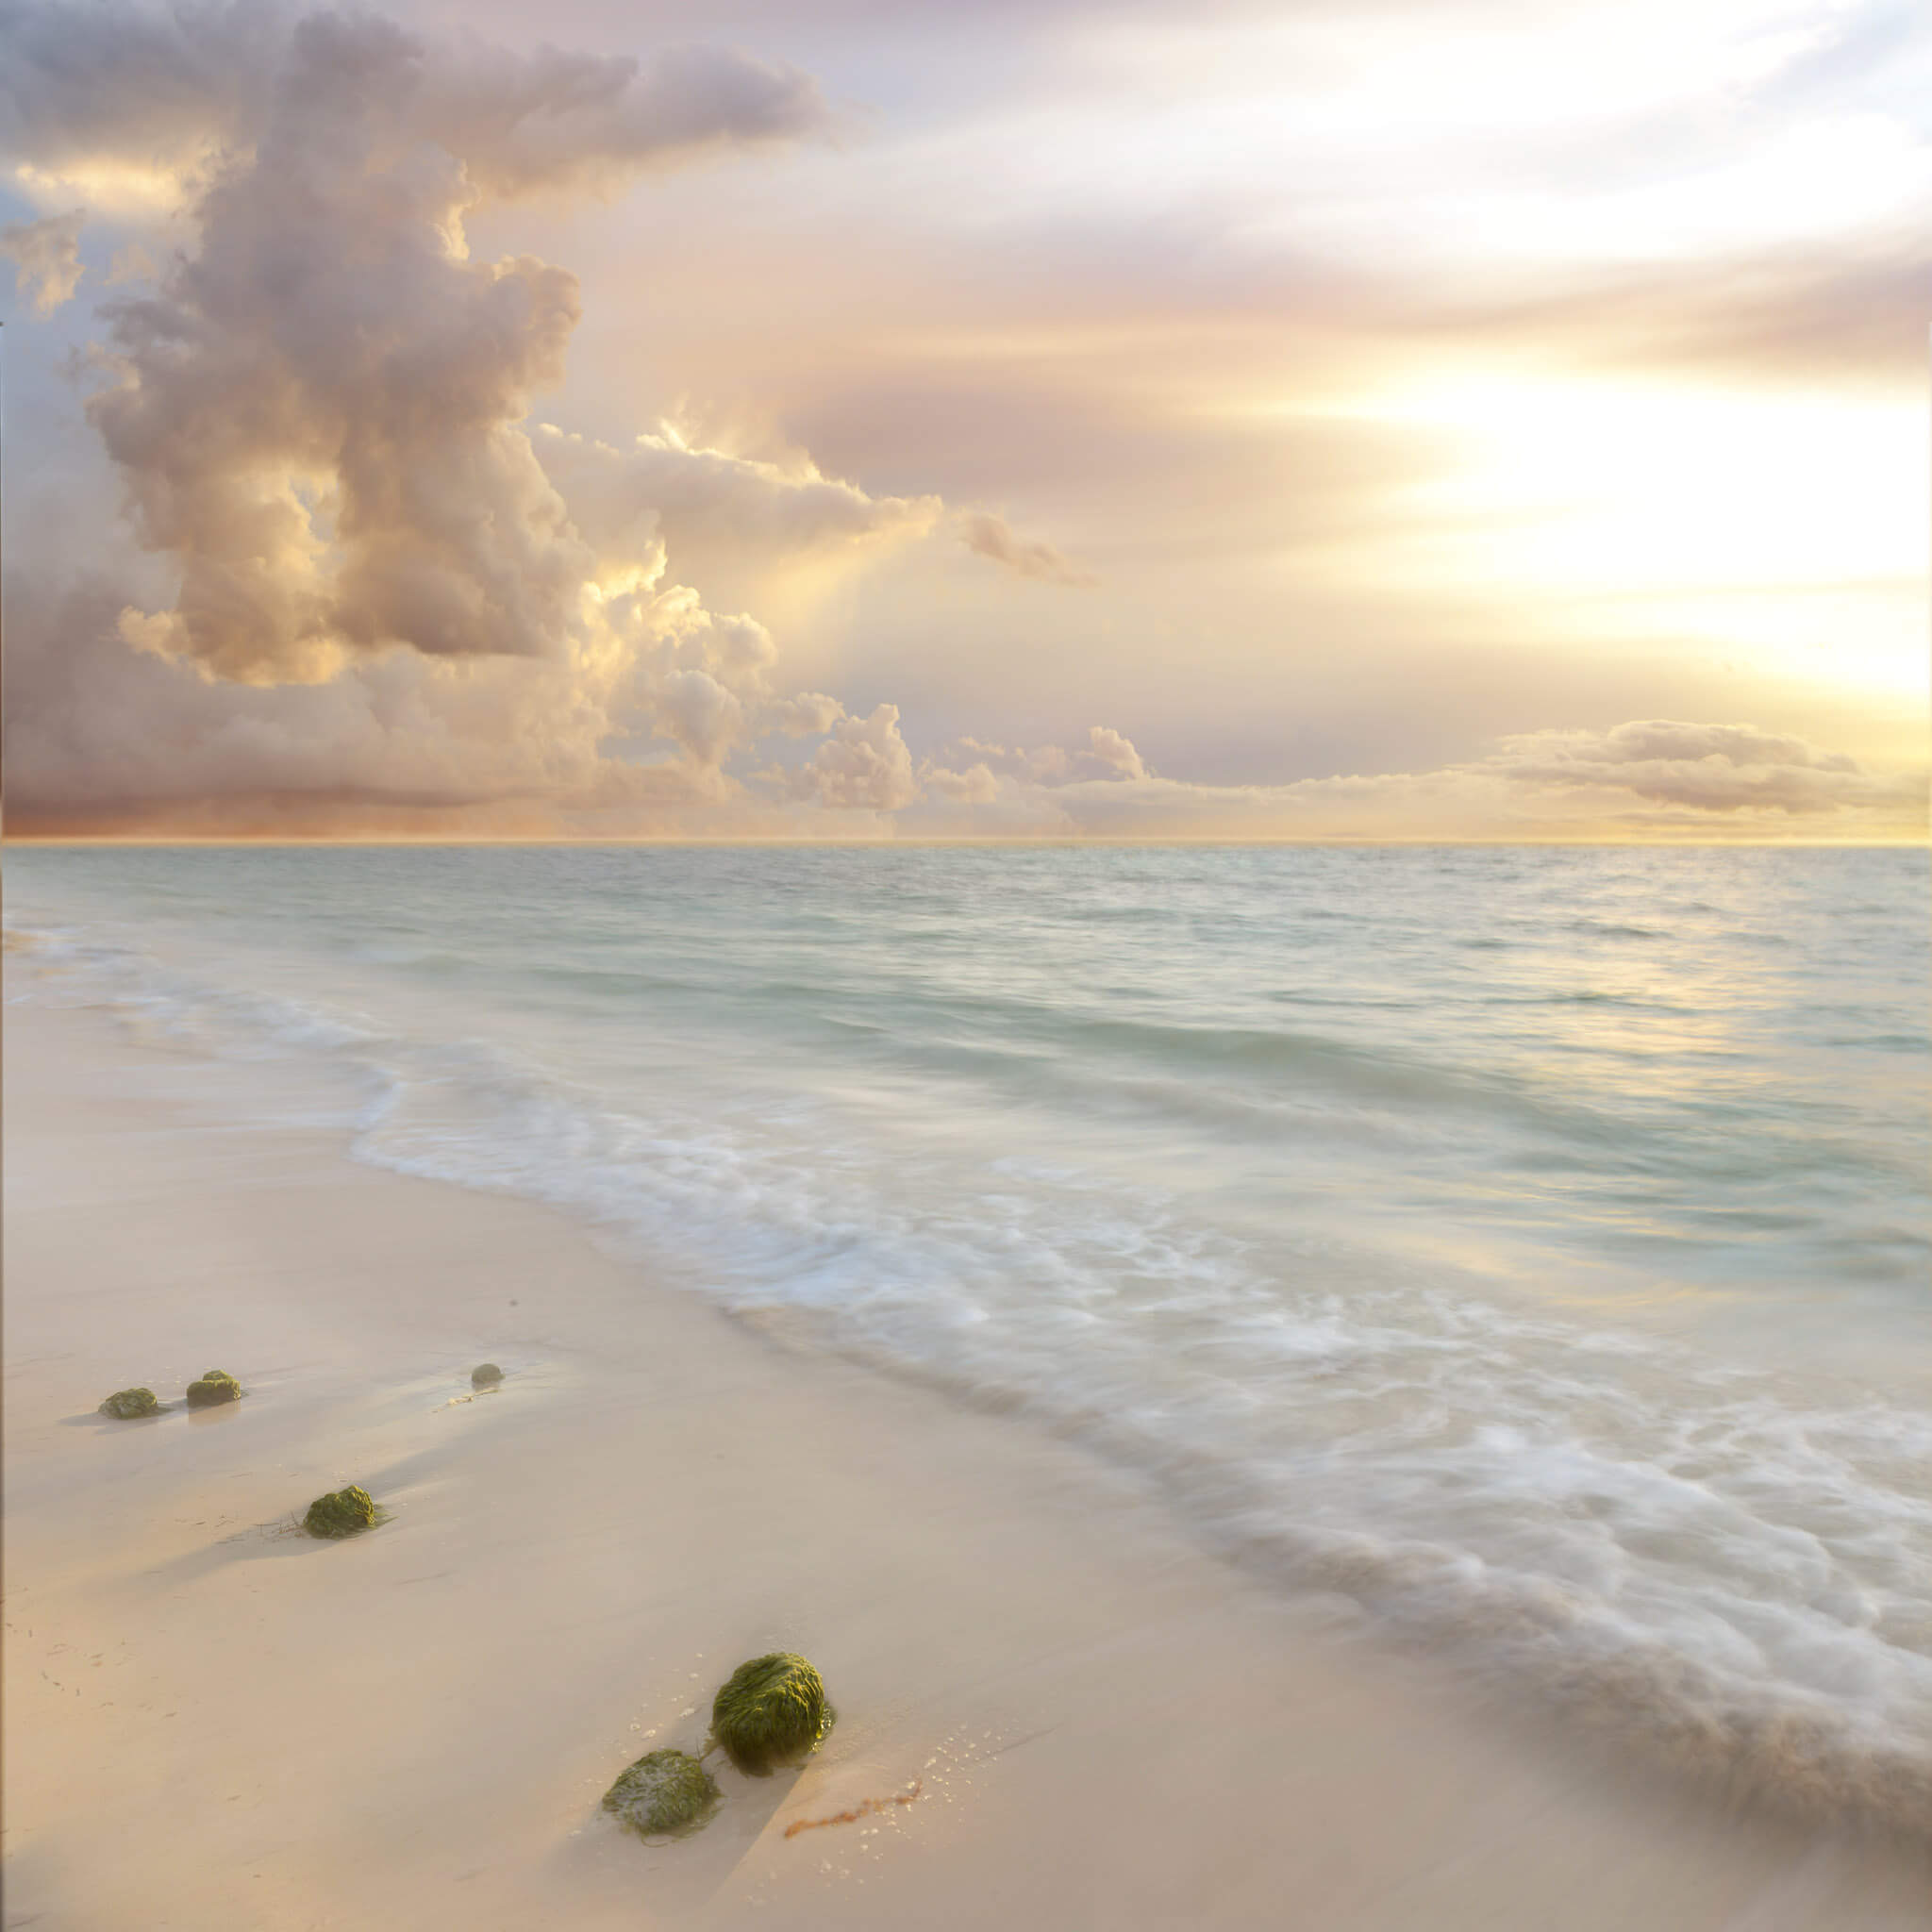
1544,1275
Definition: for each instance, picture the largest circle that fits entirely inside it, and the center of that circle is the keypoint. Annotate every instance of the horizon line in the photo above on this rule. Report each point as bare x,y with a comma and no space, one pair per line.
779,842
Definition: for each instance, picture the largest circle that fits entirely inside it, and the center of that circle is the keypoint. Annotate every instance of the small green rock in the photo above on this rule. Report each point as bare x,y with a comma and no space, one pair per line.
126,1403
485,1375
343,1512
216,1385
663,1792
772,1711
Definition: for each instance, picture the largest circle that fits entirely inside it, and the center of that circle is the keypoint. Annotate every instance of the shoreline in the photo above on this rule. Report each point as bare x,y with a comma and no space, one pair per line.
1108,1726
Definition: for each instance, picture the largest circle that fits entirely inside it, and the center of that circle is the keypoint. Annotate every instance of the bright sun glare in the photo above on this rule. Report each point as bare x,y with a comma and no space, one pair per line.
1781,521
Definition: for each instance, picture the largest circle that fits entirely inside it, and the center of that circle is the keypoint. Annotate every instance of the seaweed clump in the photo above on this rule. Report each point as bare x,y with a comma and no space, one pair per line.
485,1375
343,1512
771,1711
126,1403
216,1385
663,1793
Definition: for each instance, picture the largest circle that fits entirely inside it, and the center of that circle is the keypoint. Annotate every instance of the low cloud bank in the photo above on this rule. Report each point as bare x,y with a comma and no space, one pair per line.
1656,778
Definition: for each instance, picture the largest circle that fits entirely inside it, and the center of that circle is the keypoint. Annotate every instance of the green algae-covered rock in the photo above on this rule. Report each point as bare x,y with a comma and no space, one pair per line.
664,1792
126,1403
772,1711
216,1385
343,1512
485,1375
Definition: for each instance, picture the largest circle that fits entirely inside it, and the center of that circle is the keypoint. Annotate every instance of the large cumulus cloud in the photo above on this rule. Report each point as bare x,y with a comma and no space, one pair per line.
378,587
318,414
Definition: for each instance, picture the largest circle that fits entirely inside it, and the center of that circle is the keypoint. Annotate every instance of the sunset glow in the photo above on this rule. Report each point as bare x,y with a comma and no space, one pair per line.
826,433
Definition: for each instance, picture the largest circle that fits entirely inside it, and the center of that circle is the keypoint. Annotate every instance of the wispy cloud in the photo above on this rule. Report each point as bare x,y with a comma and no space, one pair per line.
46,257
987,536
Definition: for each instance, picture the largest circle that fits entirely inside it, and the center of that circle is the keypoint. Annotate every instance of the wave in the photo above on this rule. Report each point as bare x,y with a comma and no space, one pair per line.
1726,1566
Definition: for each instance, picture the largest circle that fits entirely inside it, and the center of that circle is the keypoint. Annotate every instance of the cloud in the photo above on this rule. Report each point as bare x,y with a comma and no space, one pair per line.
1106,747
628,733
701,715
864,765
806,714
97,734
382,601
975,785
679,672
46,257
100,739
132,263
660,487
373,585
149,90
1654,778
526,124
1107,755
318,414
987,536
1851,311
1704,768
176,88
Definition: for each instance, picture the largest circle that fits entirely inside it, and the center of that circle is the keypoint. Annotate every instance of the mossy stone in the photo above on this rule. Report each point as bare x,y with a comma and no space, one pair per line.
664,1793
216,1385
772,1711
343,1512
126,1403
485,1375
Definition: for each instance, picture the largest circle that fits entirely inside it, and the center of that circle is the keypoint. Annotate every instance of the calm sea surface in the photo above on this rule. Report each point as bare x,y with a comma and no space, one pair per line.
1533,1246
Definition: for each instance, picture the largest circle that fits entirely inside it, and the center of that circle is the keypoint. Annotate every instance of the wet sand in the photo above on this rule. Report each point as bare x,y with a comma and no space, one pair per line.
214,1722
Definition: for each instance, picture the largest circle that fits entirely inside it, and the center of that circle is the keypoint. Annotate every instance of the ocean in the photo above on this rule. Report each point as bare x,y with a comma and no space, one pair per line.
1529,1248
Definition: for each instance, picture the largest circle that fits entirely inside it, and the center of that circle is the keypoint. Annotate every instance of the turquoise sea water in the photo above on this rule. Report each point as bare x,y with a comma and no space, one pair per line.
1532,1245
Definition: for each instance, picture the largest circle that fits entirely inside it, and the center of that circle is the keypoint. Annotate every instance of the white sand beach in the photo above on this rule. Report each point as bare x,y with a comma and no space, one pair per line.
212,1721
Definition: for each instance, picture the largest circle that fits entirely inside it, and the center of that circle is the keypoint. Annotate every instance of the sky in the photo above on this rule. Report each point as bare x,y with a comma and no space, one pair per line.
1324,419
